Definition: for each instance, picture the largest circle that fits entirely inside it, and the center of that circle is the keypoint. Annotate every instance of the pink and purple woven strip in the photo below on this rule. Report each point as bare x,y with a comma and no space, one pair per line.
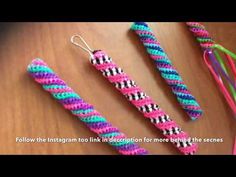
201,34
102,62
167,70
83,110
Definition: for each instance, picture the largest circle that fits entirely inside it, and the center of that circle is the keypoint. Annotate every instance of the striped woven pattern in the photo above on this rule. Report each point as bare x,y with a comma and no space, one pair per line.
84,111
167,70
142,102
201,34
215,63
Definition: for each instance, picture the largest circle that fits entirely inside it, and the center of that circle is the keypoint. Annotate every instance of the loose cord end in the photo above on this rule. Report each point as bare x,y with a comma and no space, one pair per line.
86,47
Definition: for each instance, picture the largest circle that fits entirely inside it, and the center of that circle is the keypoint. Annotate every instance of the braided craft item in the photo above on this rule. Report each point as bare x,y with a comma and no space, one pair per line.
201,34
167,70
136,96
215,63
71,101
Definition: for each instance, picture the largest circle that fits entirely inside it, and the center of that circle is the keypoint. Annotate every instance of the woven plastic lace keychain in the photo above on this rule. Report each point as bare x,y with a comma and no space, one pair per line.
167,70
71,101
129,88
216,64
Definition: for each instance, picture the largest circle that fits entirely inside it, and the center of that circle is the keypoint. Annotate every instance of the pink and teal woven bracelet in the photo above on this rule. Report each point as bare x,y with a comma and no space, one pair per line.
71,101
167,70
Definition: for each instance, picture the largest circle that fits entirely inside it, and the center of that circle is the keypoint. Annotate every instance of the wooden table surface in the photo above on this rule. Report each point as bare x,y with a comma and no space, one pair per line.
26,110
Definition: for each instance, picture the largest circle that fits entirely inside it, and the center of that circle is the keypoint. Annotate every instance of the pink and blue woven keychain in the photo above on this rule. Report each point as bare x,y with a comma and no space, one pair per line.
86,113
136,96
167,70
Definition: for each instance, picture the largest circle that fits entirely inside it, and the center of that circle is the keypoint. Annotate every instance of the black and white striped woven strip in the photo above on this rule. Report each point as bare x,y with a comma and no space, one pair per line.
160,119
172,131
112,71
147,108
183,144
101,60
136,96
125,84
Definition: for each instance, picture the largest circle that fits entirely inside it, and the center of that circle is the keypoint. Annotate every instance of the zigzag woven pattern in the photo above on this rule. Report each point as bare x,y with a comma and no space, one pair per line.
143,102
84,111
167,70
201,35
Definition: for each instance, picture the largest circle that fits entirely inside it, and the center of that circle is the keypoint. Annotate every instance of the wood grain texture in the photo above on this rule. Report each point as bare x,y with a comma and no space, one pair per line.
26,110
